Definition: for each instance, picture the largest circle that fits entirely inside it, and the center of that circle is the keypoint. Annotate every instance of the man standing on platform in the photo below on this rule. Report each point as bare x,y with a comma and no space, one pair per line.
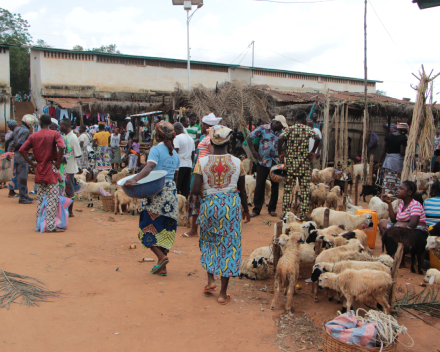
297,161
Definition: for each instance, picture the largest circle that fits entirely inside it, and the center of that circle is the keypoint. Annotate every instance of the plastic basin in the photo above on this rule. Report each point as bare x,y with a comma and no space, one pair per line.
147,187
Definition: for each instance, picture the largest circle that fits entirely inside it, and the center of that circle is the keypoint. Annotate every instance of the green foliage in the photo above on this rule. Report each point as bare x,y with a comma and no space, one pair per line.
14,30
108,49
381,92
42,43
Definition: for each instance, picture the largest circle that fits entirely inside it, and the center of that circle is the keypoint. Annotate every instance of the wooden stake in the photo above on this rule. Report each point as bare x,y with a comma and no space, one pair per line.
356,184
344,200
276,247
326,217
394,271
366,118
370,173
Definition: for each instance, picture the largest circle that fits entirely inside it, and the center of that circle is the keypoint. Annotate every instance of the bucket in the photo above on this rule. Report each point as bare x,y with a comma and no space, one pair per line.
371,232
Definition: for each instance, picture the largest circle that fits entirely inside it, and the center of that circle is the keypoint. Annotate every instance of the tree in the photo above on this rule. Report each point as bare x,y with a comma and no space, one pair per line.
42,43
14,31
381,92
109,49
78,48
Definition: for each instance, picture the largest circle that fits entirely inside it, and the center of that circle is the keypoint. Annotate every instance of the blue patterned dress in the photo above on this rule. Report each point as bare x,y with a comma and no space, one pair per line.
220,214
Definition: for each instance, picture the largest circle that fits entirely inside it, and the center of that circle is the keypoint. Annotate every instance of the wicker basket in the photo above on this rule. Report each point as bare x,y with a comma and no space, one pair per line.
332,344
108,203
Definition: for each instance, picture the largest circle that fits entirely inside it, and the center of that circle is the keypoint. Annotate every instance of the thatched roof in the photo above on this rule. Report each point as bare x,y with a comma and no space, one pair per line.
236,102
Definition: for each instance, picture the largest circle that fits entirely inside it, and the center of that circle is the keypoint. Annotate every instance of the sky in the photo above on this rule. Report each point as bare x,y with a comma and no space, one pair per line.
323,37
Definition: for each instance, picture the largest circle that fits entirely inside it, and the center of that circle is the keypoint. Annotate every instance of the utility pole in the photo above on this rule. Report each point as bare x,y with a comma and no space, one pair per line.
366,117
189,57
253,56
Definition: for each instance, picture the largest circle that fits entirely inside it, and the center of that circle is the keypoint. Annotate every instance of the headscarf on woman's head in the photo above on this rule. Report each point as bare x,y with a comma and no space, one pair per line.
220,134
166,130
211,120
12,123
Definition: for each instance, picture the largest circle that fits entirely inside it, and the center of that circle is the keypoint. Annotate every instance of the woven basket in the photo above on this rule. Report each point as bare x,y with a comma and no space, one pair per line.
332,344
108,203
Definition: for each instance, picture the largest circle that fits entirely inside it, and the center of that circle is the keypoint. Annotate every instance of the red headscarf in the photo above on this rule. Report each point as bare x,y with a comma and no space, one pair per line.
166,130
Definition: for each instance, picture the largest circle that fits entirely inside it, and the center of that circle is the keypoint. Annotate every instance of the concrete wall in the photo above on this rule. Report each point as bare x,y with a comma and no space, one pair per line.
4,107
4,68
5,88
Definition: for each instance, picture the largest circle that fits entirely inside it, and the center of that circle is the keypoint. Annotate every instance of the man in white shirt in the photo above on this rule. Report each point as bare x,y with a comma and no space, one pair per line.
71,165
185,147
316,163
129,127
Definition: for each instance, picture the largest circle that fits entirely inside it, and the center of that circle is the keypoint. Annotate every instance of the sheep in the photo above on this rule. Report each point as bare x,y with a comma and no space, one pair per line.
333,255
432,277
306,250
282,242
82,176
358,170
251,183
122,199
317,196
266,252
290,224
116,176
315,176
333,198
103,176
183,210
349,221
358,234
255,269
90,189
433,242
288,270
329,174
365,285
412,239
329,231
422,179
247,165
349,207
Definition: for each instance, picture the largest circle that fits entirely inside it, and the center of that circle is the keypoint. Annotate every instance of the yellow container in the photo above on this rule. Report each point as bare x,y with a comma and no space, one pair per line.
371,232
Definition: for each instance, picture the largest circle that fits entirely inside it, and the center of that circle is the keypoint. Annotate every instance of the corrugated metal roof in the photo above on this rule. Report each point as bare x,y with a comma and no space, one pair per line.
69,103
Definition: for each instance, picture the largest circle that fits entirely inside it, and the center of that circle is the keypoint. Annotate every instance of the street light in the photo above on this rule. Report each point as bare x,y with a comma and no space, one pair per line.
187,6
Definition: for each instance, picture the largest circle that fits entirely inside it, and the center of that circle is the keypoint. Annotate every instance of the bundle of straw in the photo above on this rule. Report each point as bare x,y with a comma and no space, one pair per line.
325,135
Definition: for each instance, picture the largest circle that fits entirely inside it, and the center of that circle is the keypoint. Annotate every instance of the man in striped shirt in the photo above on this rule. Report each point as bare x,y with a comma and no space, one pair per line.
432,205
194,130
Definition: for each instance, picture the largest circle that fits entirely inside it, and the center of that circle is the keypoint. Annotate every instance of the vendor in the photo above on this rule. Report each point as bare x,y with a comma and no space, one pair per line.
432,205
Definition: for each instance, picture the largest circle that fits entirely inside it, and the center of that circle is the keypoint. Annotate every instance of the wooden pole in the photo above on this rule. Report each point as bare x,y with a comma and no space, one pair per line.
356,185
276,246
366,118
370,173
394,271
324,147
344,200
326,217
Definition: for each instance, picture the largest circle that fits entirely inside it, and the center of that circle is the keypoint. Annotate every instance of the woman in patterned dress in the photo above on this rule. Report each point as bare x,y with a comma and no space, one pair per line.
159,214
222,178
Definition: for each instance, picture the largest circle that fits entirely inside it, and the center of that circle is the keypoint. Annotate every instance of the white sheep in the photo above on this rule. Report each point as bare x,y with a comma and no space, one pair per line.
116,176
183,203
432,277
255,269
247,165
82,176
433,242
422,179
333,198
266,252
367,286
315,176
349,221
122,199
306,250
91,189
350,207
381,207
333,255
329,174
288,270
358,170
339,239
103,176
317,196
251,183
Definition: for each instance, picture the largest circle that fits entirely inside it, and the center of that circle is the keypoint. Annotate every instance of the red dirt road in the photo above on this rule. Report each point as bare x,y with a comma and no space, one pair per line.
111,302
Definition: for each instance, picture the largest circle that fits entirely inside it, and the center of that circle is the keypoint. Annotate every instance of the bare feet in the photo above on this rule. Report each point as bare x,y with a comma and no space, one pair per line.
190,233
224,299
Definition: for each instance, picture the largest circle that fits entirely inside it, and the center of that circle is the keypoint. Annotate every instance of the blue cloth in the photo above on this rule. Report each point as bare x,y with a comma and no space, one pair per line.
164,161
21,134
220,233
19,179
268,144
432,210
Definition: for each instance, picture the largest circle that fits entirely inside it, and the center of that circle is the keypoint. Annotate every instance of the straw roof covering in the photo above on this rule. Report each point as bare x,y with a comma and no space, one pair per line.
236,102
124,108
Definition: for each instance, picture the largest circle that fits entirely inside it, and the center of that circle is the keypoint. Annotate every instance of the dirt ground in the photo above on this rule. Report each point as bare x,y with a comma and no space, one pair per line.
111,302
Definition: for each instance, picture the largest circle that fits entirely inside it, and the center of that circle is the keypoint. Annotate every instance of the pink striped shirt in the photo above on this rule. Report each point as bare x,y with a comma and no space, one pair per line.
413,209
203,147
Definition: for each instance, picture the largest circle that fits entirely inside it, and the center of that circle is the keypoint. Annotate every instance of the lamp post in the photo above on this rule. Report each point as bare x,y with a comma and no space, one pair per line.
187,6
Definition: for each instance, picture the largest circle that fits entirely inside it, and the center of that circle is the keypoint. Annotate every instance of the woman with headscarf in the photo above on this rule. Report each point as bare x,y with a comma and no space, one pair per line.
394,155
204,148
159,214
220,179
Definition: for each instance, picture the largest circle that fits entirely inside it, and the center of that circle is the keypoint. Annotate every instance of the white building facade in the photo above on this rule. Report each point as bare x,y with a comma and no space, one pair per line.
5,88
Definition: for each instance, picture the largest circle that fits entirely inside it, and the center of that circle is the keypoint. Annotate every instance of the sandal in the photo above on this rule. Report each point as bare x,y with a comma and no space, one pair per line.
253,215
158,267
205,289
272,213
229,300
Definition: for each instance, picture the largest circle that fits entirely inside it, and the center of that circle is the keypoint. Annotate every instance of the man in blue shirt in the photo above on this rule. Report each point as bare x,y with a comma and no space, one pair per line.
267,156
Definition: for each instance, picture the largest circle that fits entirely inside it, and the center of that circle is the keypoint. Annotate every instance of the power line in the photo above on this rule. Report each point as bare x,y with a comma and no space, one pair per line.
295,2
390,35
242,54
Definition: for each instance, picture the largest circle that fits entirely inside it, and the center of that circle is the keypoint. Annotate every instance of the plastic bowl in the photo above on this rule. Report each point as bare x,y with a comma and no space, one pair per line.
147,187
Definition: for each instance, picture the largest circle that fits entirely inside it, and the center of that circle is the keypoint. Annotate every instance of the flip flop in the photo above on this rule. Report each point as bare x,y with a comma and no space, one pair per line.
158,267
229,300
253,215
272,213
208,289
161,274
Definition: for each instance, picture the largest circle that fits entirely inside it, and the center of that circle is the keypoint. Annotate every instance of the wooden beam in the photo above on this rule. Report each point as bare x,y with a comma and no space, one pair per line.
276,246
356,186
394,271
326,217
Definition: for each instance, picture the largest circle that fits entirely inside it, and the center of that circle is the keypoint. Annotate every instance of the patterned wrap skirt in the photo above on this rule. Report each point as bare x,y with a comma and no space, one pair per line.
83,161
220,234
115,155
391,181
102,158
158,218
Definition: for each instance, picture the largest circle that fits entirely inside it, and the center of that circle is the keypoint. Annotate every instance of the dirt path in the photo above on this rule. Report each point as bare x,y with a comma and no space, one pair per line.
110,301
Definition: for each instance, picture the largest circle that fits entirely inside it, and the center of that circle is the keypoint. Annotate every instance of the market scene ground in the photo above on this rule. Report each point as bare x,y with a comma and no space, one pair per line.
111,302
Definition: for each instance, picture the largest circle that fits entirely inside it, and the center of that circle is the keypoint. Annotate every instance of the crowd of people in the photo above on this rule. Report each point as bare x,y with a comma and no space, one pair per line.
199,167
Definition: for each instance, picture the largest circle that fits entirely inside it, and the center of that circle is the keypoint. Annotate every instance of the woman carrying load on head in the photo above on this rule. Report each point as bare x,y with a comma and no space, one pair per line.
220,179
159,214
394,155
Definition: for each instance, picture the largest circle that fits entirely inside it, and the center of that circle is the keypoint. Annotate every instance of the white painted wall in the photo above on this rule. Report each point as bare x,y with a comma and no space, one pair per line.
4,107
4,68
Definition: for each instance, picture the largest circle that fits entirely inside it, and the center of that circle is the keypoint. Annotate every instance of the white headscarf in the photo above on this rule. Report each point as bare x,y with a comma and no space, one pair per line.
211,120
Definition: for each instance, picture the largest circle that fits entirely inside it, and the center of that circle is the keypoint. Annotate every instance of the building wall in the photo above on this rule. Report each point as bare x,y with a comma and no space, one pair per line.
4,68
5,88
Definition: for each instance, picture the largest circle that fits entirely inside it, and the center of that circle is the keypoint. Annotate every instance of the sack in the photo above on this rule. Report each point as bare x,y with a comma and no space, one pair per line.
6,168
61,218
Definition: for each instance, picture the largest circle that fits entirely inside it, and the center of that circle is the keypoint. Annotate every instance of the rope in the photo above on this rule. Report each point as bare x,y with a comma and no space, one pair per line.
388,329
